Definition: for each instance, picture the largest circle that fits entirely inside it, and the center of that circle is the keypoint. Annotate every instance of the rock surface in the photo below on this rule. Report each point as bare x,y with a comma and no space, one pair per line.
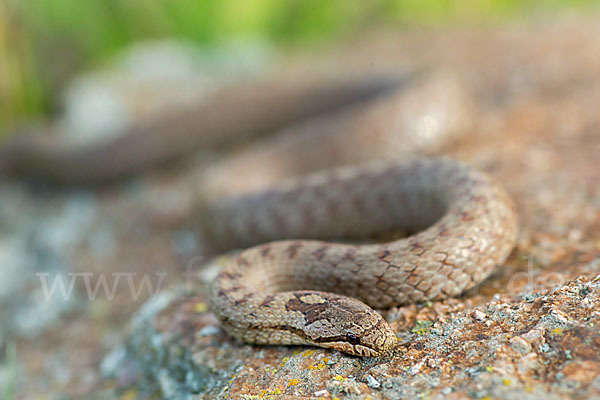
543,344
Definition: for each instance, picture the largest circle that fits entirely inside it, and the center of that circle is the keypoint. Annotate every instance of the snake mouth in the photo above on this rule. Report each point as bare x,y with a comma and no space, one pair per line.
342,344
338,342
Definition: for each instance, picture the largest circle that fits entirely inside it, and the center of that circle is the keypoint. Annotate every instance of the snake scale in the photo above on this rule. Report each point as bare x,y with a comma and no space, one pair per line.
286,290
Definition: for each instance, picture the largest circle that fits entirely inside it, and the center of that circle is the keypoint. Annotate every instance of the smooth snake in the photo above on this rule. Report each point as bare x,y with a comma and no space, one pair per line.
292,291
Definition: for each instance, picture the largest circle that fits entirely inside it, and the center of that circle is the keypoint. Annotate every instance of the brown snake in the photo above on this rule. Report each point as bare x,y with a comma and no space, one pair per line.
304,292
232,114
309,292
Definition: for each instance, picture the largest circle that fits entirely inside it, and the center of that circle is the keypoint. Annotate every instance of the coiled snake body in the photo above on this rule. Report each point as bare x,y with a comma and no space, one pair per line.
310,292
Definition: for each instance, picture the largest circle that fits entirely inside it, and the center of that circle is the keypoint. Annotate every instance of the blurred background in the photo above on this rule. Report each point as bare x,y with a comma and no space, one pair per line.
45,43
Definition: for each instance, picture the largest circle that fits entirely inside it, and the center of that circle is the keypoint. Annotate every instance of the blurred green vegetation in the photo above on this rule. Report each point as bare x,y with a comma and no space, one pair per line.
10,368
43,43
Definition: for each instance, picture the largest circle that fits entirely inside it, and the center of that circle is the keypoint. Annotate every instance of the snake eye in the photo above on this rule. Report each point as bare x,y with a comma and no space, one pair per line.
352,339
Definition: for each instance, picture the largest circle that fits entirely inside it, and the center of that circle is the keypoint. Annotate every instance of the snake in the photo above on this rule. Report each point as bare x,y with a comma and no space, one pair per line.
320,293
300,281
236,113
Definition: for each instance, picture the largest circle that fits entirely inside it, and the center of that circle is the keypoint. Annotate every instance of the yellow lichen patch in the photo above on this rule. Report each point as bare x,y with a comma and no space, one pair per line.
557,331
308,353
339,378
264,394
200,307
271,370
284,360
489,369
231,380
293,382
422,327
506,382
317,367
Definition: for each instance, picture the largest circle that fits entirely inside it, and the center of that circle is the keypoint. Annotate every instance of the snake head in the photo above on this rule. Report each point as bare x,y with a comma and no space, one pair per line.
344,324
